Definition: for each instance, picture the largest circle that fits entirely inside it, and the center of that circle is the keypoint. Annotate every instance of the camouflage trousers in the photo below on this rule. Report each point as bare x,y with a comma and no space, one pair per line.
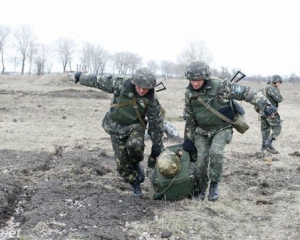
210,154
270,127
128,151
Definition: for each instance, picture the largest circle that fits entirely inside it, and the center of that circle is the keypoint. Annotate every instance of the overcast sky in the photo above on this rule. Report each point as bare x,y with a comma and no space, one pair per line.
260,37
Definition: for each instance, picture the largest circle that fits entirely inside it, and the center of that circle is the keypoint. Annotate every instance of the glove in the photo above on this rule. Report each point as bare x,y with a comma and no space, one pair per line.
155,151
270,110
151,162
189,146
77,76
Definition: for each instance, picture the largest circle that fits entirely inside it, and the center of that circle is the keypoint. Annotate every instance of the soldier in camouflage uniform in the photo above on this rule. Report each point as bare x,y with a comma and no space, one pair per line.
271,91
205,133
133,102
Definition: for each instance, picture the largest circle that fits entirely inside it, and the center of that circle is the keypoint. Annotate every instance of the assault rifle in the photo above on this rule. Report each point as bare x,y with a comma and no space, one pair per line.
161,88
233,80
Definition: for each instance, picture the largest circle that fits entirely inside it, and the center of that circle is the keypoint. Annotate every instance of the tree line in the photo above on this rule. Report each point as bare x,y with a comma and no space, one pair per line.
19,46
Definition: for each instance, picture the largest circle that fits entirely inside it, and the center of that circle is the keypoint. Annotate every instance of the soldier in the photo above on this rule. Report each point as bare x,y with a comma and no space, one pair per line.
134,100
205,133
271,91
170,130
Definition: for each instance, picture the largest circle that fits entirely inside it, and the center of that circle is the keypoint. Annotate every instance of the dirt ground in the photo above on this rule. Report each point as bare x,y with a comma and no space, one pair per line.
58,177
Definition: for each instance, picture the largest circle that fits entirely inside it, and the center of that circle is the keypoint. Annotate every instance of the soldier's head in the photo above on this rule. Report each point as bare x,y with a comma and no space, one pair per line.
168,163
276,79
197,72
143,79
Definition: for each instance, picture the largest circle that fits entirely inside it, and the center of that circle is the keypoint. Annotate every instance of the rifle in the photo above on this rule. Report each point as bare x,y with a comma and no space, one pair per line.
162,88
233,80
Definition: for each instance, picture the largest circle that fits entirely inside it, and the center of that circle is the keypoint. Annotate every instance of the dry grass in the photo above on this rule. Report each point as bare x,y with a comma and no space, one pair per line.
49,125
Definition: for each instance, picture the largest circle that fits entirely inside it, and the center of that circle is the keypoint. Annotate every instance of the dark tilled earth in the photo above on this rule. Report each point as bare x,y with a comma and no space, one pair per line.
74,193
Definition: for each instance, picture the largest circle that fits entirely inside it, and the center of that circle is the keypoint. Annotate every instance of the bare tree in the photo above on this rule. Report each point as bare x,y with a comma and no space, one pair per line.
195,50
32,50
65,48
135,62
23,38
42,55
124,61
94,57
154,66
167,68
4,35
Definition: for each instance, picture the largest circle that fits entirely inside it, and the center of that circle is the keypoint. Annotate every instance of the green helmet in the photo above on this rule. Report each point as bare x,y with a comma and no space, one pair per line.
144,77
168,163
276,78
197,70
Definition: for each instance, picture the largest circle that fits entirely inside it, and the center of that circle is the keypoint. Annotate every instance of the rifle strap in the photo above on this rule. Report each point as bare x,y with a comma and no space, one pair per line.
135,107
214,111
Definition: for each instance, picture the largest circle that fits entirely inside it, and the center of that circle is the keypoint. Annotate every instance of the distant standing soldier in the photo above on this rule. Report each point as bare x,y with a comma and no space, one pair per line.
205,133
133,102
271,127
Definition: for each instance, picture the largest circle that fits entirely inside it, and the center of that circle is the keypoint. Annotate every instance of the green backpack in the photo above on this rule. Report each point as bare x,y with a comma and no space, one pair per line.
177,187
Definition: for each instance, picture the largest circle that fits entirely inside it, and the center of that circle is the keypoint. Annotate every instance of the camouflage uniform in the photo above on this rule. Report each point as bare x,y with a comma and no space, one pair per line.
211,137
123,124
205,130
170,130
270,124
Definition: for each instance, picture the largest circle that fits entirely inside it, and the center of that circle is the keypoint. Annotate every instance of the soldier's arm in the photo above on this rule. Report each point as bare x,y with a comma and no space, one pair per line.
106,83
190,125
240,92
156,126
274,93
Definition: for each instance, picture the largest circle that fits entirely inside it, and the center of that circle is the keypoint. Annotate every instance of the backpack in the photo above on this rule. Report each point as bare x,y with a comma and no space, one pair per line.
176,187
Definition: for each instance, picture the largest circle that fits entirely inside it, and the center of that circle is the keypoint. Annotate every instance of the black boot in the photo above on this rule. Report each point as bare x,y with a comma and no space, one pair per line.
136,188
200,196
270,147
263,147
141,172
213,192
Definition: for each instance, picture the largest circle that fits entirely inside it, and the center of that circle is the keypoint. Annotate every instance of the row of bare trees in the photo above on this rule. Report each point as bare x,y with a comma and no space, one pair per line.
20,46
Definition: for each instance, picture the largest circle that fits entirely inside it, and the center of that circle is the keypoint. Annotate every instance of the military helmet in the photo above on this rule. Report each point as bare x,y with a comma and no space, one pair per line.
276,78
144,77
197,70
168,163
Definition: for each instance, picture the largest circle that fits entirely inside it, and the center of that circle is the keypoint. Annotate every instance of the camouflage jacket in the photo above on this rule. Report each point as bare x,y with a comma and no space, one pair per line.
149,104
273,94
224,93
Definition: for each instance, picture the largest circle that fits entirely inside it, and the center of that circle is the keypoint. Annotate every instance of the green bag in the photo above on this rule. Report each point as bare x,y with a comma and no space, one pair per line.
177,187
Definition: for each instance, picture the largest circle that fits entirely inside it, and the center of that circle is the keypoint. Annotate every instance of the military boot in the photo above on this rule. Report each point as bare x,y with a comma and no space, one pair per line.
263,147
270,147
200,196
213,192
140,171
136,188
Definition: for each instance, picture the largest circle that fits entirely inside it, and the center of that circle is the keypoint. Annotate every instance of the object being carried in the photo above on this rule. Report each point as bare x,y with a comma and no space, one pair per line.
173,178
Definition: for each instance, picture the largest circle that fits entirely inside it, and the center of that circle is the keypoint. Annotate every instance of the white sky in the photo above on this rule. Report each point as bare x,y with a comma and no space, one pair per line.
260,37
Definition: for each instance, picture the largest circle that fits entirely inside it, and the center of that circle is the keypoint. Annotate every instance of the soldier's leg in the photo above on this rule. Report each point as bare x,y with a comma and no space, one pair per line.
135,146
202,144
265,131
275,124
220,140
170,130
124,165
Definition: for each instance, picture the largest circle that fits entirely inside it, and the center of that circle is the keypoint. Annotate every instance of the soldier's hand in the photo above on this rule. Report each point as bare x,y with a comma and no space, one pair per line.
155,151
270,111
189,146
77,76
151,162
